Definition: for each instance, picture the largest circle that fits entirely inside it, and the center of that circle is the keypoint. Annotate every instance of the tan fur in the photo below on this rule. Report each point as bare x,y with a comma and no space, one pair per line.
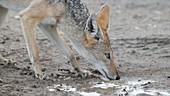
103,22
39,10
89,41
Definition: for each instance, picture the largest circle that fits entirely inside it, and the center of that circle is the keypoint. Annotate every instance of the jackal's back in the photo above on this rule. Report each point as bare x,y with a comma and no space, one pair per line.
78,12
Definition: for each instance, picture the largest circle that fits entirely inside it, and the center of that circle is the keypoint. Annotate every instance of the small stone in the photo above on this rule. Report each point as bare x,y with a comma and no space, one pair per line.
17,40
168,76
52,74
133,51
34,86
43,69
28,67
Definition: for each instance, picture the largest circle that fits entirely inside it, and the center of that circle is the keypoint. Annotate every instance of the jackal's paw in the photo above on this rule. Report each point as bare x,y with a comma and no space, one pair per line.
40,75
84,73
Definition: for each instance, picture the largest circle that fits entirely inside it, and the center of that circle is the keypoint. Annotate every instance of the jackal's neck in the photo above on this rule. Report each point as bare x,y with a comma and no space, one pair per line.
78,11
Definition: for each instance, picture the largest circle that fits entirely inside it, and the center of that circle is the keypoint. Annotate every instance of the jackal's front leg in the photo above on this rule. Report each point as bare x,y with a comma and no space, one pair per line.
28,25
52,34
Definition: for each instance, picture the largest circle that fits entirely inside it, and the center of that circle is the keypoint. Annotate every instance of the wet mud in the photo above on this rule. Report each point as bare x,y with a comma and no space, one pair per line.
140,37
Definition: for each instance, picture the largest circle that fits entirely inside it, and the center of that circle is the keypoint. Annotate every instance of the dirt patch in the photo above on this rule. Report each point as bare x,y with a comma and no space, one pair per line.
140,36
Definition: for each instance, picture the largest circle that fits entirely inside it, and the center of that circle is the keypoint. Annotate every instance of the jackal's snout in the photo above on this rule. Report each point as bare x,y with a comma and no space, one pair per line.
113,72
109,69
112,76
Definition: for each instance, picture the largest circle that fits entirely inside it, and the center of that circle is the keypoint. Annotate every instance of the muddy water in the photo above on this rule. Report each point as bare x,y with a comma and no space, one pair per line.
131,88
140,36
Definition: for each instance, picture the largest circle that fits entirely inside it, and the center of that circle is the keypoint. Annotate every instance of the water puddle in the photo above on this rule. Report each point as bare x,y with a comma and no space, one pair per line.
149,92
131,88
89,93
140,82
104,85
67,88
62,87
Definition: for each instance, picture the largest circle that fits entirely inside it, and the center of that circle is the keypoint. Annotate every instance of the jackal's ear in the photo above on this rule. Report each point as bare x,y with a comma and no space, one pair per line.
103,21
91,31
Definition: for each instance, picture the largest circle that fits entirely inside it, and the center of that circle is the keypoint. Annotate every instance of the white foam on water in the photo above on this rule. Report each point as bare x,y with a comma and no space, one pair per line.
149,92
140,91
140,82
51,89
160,92
67,88
62,87
89,93
104,85
132,88
17,17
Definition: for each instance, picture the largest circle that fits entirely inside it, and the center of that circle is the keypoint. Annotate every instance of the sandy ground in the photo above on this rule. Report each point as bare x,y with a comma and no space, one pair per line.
140,36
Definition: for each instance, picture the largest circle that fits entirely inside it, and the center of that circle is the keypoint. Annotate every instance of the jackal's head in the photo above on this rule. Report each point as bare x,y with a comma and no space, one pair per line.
97,41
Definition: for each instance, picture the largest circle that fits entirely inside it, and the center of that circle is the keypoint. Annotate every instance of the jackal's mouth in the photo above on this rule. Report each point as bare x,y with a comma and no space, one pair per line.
110,75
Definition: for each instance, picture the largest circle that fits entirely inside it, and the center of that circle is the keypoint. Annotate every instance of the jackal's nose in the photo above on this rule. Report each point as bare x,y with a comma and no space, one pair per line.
111,76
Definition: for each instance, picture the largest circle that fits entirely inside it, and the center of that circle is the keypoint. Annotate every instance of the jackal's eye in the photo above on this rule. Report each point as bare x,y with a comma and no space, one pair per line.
107,55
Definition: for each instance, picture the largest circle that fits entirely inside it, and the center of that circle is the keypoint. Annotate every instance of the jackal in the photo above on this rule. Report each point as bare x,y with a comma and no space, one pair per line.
87,33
